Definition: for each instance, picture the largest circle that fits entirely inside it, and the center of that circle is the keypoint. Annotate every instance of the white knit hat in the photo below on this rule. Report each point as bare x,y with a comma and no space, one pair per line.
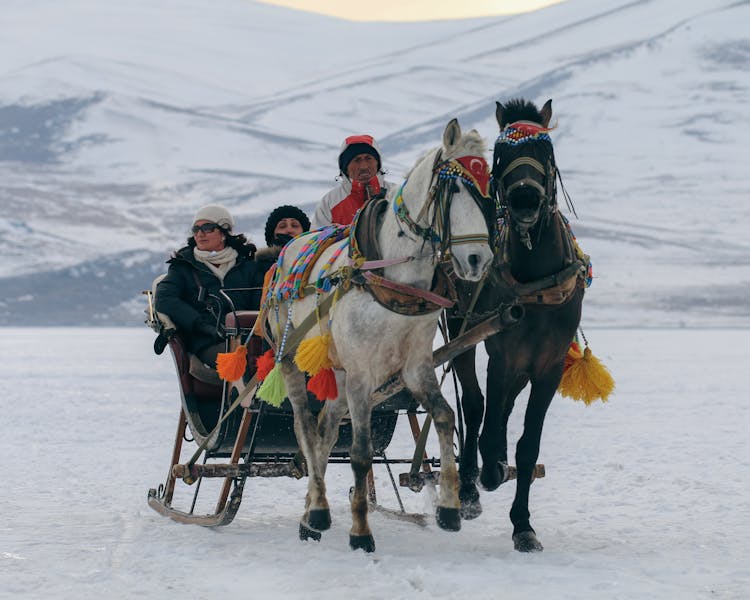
215,213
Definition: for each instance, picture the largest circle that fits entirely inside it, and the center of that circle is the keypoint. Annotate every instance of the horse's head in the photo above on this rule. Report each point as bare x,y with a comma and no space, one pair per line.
523,169
448,202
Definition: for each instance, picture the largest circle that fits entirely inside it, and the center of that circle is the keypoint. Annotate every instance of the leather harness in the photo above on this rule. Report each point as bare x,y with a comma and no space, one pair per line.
553,289
397,298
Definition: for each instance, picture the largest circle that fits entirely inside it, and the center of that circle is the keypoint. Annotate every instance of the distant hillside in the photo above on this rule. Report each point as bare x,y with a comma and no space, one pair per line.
117,122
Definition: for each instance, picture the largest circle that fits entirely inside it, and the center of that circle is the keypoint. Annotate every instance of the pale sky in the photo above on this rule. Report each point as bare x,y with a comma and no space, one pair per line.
413,10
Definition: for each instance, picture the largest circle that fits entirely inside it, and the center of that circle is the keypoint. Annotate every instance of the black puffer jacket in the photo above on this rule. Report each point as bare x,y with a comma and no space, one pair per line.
179,294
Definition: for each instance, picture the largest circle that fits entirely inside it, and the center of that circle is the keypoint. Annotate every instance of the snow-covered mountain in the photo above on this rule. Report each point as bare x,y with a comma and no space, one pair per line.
118,120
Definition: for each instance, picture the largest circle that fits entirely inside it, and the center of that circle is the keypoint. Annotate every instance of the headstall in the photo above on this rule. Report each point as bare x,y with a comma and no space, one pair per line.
474,173
516,134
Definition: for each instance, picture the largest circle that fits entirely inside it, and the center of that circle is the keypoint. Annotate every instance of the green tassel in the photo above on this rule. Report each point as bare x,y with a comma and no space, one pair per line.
273,389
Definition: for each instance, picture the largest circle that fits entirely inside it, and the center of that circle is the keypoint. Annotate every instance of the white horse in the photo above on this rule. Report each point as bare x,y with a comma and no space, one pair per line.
439,214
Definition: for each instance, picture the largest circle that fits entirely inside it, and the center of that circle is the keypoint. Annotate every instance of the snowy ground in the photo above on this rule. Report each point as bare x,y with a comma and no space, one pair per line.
645,497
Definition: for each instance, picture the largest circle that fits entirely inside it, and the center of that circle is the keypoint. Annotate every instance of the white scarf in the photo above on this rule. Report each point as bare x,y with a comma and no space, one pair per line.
219,262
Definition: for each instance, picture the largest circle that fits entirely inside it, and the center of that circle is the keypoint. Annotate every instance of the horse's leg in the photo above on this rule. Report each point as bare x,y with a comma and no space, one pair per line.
472,403
328,425
423,384
493,443
527,453
360,535
317,515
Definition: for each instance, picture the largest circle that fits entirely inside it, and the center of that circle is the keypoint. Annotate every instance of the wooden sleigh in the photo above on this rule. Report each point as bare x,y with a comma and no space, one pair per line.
257,441
235,443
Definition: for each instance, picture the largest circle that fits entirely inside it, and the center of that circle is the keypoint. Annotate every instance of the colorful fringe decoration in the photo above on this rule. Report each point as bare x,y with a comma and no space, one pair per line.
323,385
312,354
231,365
585,377
521,132
273,389
264,364
290,286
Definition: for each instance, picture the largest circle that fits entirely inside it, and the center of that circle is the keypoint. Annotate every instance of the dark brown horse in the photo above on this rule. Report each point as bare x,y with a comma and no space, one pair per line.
535,265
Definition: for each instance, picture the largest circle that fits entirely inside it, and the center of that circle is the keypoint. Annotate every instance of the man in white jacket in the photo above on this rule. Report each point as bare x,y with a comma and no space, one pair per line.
361,179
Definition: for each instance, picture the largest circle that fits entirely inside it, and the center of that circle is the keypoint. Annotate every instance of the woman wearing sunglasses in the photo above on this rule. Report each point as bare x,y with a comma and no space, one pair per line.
215,264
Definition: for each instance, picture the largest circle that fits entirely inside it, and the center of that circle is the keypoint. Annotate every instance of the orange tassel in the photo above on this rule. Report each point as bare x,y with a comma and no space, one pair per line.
231,365
264,364
323,385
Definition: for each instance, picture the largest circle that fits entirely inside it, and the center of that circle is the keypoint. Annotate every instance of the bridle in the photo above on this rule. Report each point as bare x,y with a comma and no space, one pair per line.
513,135
474,174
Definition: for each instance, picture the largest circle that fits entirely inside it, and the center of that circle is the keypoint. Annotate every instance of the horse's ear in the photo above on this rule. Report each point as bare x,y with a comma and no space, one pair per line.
546,113
499,114
452,134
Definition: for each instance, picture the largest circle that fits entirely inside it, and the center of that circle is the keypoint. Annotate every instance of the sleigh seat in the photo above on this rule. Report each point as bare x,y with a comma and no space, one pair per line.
205,396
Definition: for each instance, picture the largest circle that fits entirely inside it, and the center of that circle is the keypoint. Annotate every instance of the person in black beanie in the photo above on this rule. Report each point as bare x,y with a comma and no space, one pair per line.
283,224
360,180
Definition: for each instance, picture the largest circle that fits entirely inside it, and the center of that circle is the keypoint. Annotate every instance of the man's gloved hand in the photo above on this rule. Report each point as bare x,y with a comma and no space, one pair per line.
365,190
373,187
358,191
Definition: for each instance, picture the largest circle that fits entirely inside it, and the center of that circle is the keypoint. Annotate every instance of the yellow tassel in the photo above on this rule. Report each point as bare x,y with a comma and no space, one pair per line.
312,354
273,389
231,365
585,377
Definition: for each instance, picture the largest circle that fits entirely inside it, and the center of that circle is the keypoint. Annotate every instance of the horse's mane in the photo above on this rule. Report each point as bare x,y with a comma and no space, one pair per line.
419,161
470,144
519,109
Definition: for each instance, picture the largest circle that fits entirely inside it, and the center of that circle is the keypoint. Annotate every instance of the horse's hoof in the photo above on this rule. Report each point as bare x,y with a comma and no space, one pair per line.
362,542
526,541
471,510
319,519
448,518
305,533
471,507
492,476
